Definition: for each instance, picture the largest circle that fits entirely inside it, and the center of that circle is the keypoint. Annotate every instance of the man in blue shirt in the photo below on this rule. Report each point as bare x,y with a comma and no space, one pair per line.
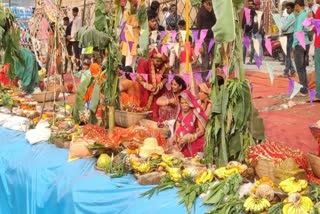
287,28
299,51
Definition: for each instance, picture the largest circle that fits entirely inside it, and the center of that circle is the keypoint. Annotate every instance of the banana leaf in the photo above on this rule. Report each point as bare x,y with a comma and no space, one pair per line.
91,37
224,29
79,104
100,12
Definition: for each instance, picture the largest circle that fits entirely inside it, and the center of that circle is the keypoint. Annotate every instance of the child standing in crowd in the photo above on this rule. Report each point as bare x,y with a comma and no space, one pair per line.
85,72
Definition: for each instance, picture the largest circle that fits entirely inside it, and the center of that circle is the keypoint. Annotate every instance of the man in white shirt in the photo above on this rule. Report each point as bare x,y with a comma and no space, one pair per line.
76,25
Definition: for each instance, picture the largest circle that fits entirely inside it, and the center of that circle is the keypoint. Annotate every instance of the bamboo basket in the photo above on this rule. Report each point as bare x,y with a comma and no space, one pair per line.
165,131
265,168
314,162
41,97
315,131
126,119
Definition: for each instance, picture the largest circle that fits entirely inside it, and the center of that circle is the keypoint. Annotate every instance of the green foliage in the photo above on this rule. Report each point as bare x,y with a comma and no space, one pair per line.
91,37
100,13
142,15
79,104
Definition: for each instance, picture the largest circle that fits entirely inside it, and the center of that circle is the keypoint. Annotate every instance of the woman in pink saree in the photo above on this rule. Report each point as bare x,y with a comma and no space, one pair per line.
190,125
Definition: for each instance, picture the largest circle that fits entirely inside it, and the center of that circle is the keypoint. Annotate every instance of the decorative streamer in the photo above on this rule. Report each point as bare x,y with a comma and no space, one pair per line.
246,41
154,35
133,76
259,16
307,22
130,30
198,46
198,77
176,47
225,70
130,46
195,35
145,77
183,35
203,34
162,35
283,42
312,95
301,39
296,89
186,78
256,46
271,74
211,43
247,12
316,23
290,86
209,75
268,45
173,35
258,61
164,49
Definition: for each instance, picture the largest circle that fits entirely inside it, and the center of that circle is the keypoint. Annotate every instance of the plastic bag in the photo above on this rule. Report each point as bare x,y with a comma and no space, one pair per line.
17,123
38,135
4,118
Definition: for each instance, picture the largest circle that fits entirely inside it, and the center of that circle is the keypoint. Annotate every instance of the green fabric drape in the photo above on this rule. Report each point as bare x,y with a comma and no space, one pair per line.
27,72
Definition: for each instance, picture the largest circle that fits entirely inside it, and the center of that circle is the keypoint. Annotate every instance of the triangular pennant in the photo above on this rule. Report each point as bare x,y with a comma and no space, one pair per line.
312,95
258,61
162,35
268,45
198,77
247,12
296,89
203,34
133,76
256,46
130,30
176,47
123,36
316,23
290,86
195,35
301,39
166,37
130,44
271,74
259,17
122,72
283,42
197,47
211,43
307,22
246,41
209,75
164,49
154,35
145,77
173,35
183,35
186,78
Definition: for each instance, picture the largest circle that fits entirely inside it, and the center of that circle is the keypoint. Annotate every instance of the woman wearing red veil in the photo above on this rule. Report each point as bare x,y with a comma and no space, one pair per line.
190,125
155,70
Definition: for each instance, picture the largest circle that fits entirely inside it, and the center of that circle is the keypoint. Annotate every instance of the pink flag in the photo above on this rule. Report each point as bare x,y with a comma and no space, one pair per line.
186,78
145,77
203,34
258,61
130,46
225,70
173,35
211,43
316,23
246,41
301,39
133,76
290,86
247,12
268,46
198,77
162,35
208,76
170,78
198,46
195,35
307,22
312,95
164,49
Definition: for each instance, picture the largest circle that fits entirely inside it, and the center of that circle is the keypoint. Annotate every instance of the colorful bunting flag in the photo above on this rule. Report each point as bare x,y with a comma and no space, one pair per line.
195,35
271,74
283,42
316,23
198,77
290,86
225,70
183,35
211,43
130,44
186,78
258,61
203,34
259,17
256,46
307,22
301,39
209,75
312,95
296,89
133,76
247,12
162,35
246,41
268,45
173,35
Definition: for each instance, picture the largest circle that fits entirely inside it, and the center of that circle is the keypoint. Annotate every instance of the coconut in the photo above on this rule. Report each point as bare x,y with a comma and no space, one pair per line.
264,190
294,198
103,161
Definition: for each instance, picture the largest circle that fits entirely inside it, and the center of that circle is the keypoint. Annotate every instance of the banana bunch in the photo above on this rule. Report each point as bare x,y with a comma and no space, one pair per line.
297,204
256,205
204,176
224,172
167,159
143,167
290,185
175,173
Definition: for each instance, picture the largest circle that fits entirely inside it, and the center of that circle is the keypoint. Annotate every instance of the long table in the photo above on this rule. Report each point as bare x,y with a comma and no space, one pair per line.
38,179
